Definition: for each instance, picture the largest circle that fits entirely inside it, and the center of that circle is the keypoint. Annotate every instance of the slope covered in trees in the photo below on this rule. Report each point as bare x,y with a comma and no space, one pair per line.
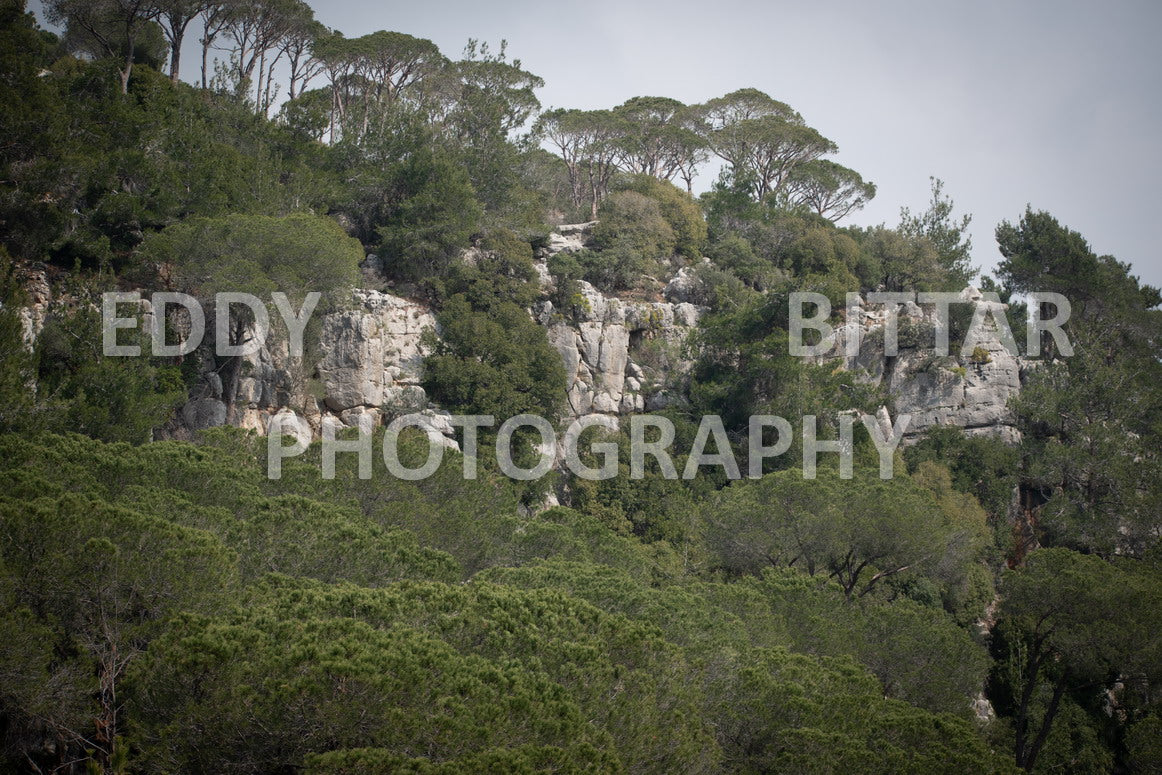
166,607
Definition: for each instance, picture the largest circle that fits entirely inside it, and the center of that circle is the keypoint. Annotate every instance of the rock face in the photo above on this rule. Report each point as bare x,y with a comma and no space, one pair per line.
34,313
970,390
621,356
371,355
569,238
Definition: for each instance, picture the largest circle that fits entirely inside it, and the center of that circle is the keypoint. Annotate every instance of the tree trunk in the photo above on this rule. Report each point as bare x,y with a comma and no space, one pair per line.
1021,726
205,62
1046,724
294,71
125,72
175,53
106,721
259,107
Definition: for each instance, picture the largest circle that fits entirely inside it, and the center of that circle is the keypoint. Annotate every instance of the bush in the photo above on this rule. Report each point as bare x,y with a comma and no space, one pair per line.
679,210
735,255
497,362
258,254
432,215
631,238
504,273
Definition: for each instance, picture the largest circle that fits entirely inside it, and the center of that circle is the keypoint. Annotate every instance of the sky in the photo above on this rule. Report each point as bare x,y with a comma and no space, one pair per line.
1050,103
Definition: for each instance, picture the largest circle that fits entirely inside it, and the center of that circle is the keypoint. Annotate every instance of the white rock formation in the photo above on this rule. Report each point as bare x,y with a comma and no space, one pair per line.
620,357
372,351
971,391
371,363
618,354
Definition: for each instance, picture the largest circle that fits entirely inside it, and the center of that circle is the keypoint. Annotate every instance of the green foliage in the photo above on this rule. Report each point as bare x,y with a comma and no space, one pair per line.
63,383
828,189
1143,746
761,139
826,259
1042,255
759,694
947,235
736,255
1091,420
432,212
258,254
105,36
496,99
791,713
415,694
522,760
304,538
719,289
901,262
980,465
32,120
677,208
100,171
762,243
497,362
502,272
743,367
567,270
859,532
17,363
653,508
1066,626
306,115
101,581
611,663
630,240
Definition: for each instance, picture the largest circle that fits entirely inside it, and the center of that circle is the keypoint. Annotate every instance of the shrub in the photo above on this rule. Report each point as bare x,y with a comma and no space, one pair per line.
980,356
433,214
497,362
630,239
504,273
679,210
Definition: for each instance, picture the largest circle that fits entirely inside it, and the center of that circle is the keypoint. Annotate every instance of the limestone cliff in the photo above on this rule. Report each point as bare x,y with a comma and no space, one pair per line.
971,391
621,356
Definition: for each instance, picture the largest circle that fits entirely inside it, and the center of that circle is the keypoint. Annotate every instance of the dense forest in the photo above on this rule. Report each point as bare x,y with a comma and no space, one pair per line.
167,607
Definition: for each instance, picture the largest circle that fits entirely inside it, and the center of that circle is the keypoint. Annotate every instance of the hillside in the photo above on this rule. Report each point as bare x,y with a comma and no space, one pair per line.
723,485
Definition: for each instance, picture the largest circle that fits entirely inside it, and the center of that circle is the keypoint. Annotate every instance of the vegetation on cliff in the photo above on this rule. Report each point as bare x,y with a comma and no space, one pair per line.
165,607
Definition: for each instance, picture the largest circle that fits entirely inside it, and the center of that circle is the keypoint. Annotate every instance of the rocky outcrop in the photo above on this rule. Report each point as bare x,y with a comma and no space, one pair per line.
971,391
619,356
370,362
35,310
372,353
569,238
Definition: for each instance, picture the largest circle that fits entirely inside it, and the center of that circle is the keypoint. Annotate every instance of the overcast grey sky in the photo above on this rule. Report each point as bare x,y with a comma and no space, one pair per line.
1049,102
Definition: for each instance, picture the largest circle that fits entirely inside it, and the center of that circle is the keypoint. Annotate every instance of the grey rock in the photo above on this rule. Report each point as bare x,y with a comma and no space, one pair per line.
683,286
204,413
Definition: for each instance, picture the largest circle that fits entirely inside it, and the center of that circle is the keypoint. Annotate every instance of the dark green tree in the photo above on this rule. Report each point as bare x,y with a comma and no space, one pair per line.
1092,420
496,362
1071,623
947,234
